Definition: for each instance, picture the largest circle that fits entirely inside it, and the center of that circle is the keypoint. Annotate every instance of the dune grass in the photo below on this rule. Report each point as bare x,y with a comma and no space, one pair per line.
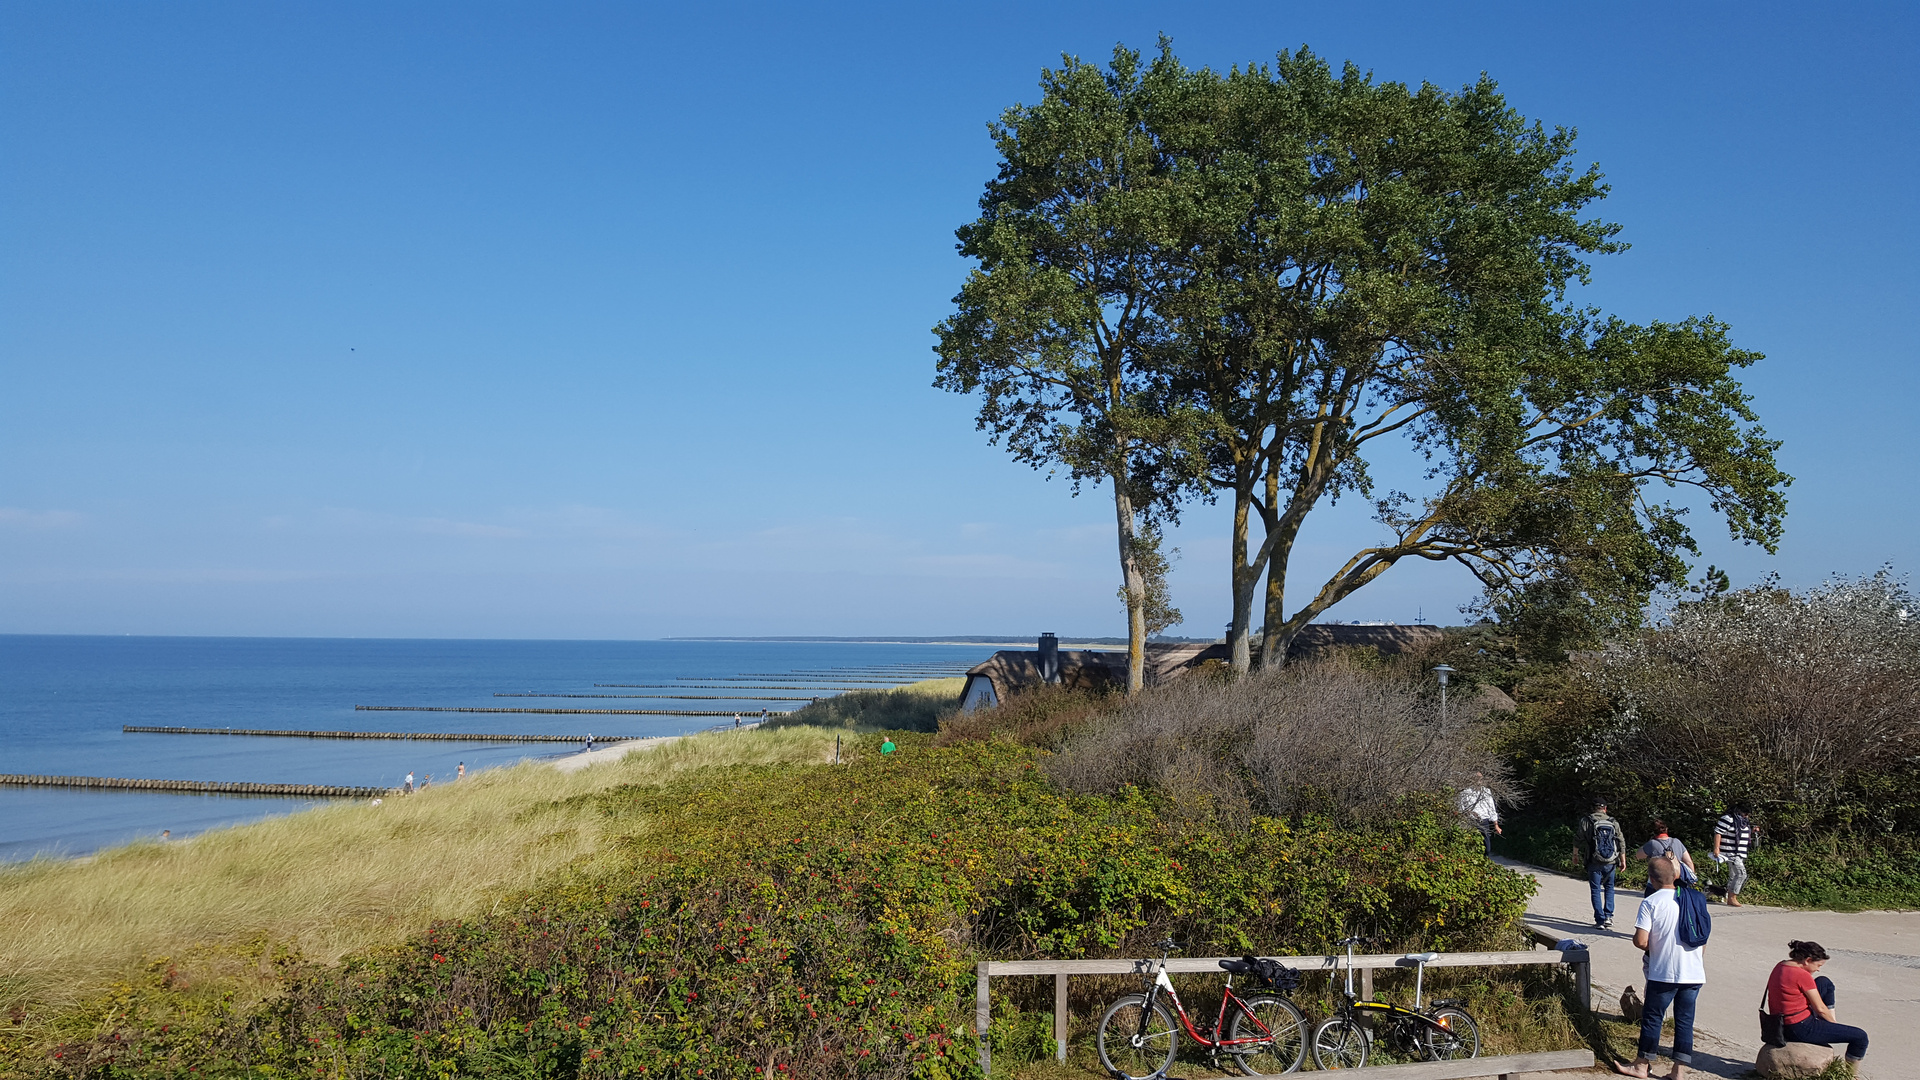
916,706
330,881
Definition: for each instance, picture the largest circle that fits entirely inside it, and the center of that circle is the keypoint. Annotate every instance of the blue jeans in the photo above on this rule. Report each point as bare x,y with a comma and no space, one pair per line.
1600,880
1826,1032
1486,834
1654,1013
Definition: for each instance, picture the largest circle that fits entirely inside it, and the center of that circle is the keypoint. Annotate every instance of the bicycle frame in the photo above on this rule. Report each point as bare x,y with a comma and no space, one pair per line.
1387,1008
1214,1041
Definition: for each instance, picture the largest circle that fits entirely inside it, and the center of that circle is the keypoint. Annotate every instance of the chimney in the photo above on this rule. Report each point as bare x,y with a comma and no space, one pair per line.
1049,658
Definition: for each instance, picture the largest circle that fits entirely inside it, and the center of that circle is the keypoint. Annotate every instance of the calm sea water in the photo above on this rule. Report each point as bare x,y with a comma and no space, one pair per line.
63,701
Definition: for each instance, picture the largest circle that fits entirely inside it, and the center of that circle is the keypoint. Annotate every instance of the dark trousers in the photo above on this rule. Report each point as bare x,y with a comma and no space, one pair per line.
1682,996
1825,1032
1600,880
1486,834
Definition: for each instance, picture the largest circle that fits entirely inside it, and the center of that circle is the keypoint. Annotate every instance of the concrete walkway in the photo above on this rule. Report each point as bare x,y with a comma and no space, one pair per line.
1875,968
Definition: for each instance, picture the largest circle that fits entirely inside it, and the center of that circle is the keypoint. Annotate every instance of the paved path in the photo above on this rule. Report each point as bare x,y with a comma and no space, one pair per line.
1875,967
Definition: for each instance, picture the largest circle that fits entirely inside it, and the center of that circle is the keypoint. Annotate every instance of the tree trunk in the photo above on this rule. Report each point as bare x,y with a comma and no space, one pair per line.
1273,643
1136,587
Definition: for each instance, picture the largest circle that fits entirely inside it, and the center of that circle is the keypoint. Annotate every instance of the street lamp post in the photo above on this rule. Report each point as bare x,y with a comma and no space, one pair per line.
1443,671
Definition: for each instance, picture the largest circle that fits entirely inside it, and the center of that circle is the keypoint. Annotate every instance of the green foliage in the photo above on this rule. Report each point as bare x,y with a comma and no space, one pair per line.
874,710
1260,281
1802,705
807,920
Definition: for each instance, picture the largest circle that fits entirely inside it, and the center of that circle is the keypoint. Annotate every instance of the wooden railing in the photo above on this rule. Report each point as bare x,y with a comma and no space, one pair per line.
1364,966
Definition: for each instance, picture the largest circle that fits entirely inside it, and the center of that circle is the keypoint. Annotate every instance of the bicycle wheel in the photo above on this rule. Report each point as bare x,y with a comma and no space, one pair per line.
1282,1032
1339,1043
1136,1042
1453,1036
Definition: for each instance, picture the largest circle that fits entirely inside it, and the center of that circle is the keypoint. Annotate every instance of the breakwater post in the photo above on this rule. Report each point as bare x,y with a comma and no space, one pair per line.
440,736
218,787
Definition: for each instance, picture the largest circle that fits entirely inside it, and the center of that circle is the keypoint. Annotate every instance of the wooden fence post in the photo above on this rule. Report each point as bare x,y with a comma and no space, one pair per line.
983,1018
1060,1016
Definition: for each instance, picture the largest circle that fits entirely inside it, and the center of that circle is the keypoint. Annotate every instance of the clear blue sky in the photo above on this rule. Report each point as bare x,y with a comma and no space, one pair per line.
573,320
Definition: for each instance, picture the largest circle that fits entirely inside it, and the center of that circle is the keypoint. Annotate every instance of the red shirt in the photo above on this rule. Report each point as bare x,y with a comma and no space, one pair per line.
1787,991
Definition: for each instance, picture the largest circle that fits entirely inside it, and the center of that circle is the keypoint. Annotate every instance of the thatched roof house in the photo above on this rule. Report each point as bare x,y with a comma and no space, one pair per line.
1011,670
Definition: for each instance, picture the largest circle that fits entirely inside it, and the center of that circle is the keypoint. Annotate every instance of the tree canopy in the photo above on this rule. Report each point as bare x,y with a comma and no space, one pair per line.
1256,284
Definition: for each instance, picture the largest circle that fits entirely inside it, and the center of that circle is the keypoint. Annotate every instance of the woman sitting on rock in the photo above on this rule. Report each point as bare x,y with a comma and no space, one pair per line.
1804,1000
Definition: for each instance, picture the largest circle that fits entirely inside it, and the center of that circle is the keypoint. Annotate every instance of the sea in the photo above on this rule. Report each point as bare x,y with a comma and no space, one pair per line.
65,699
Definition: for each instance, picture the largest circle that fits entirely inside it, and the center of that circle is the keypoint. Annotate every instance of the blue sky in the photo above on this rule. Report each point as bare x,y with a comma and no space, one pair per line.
569,320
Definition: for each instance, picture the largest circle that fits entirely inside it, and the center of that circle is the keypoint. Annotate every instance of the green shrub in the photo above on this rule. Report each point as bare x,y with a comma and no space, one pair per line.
810,921
909,708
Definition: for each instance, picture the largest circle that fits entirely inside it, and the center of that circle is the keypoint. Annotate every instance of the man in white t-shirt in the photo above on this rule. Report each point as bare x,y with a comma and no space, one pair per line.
1675,973
1477,806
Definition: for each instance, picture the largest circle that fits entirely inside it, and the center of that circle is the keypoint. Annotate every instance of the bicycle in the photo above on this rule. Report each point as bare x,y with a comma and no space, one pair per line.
1345,1039
1265,1034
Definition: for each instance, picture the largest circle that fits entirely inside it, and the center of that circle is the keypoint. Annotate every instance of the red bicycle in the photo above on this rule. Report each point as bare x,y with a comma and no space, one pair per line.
1263,1033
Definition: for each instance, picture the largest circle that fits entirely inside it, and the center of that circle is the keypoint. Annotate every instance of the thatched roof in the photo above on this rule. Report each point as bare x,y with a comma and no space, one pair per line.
1012,670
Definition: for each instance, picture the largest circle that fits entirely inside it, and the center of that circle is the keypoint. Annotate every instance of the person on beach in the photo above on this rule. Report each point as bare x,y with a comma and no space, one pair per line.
1733,838
1803,999
1675,973
1672,848
1602,851
1476,805
461,773
736,719
589,740
407,788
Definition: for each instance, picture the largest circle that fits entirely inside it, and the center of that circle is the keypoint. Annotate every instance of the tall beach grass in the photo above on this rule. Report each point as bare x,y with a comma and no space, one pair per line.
915,707
329,881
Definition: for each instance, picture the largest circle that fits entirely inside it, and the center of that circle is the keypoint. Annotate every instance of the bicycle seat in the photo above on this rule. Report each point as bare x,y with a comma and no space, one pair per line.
1422,957
1237,967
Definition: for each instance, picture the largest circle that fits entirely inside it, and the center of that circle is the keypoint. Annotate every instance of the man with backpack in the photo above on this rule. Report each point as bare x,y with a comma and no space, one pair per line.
1603,852
1673,937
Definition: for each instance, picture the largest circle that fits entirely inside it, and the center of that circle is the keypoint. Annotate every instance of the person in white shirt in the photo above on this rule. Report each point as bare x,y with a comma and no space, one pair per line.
1674,972
1476,805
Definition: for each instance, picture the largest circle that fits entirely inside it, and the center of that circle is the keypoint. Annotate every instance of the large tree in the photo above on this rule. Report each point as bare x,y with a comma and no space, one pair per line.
1058,328
1362,268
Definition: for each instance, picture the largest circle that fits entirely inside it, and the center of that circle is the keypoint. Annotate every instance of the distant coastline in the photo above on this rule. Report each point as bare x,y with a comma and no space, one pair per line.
1012,641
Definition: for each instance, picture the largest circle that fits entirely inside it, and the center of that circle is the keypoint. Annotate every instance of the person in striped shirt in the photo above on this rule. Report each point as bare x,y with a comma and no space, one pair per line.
1733,838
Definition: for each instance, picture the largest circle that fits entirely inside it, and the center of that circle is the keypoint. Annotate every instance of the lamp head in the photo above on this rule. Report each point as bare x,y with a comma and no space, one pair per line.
1443,671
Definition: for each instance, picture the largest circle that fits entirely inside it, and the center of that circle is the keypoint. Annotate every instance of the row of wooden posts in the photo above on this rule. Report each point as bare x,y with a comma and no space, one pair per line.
218,787
427,735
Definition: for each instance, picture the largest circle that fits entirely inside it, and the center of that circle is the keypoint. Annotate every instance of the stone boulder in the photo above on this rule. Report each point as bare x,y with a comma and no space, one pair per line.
1794,1060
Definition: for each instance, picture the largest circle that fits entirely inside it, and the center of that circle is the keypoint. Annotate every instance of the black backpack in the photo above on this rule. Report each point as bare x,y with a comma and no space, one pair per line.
1270,974
1606,840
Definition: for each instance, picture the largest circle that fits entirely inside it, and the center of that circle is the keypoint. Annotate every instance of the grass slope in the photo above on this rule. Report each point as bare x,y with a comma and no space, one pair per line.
331,881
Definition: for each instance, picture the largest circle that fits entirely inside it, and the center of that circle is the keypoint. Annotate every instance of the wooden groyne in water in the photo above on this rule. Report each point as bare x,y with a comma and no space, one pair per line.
441,736
217,787
670,697
561,712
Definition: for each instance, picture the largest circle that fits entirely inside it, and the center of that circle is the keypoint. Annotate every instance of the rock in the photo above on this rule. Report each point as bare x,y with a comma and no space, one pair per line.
1794,1060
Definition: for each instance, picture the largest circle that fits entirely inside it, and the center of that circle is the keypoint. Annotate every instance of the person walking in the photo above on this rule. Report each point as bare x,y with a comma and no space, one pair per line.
462,774
1675,973
1803,999
1477,806
1733,839
1602,851
407,788
1671,847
